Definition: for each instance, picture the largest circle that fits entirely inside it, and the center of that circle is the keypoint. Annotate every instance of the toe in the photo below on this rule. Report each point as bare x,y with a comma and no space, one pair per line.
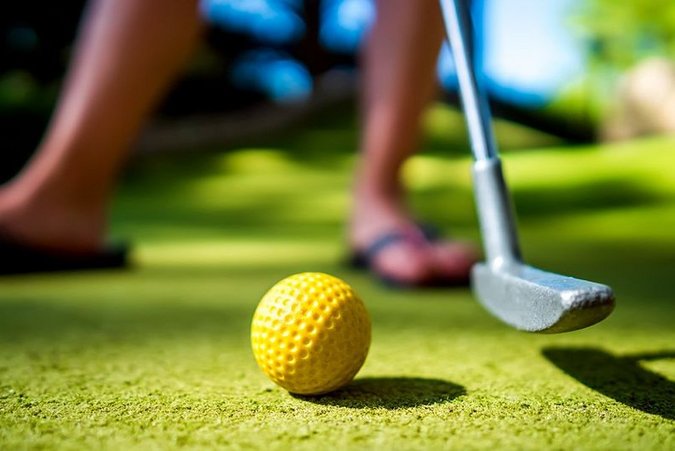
405,265
453,260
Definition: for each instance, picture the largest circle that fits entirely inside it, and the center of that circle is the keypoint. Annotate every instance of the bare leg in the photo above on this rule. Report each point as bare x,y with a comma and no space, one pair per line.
127,54
399,81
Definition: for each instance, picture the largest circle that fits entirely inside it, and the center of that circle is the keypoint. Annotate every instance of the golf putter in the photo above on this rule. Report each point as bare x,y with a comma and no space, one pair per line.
524,297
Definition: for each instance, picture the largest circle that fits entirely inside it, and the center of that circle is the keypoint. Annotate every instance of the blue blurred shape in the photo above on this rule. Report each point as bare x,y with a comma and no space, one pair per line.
446,69
530,55
344,23
524,51
22,38
280,77
269,21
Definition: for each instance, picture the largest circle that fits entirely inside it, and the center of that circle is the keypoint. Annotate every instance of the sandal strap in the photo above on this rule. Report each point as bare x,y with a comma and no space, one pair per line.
363,259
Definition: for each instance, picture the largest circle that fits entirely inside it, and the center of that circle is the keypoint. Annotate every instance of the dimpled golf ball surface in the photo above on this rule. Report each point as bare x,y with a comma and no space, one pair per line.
310,333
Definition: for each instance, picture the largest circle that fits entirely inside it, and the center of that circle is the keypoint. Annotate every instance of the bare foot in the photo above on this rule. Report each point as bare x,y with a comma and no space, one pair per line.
50,225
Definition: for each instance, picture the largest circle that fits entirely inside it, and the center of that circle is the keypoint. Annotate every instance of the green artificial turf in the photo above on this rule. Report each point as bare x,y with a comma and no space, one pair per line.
158,357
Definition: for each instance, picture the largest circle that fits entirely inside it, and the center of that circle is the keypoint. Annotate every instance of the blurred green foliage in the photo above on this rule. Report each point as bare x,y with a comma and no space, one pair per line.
622,33
617,36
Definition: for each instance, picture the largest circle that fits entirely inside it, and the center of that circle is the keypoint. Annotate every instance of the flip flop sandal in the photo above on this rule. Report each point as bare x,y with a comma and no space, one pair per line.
19,258
430,234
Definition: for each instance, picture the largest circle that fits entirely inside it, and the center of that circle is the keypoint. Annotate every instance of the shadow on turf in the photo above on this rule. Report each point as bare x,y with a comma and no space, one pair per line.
621,378
390,393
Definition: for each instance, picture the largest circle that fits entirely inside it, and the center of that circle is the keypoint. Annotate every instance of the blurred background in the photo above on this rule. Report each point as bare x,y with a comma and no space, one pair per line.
578,70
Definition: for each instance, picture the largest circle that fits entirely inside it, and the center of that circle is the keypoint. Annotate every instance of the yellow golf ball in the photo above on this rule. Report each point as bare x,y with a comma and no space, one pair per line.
310,333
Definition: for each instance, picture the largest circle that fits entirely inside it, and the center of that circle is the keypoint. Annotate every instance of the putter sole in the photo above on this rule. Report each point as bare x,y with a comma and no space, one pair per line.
533,300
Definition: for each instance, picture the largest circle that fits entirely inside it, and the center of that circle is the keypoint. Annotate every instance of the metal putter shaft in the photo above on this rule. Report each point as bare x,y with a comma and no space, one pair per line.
522,296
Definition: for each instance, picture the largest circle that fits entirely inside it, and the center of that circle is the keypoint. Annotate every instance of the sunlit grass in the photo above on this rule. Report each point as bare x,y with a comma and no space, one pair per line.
158,356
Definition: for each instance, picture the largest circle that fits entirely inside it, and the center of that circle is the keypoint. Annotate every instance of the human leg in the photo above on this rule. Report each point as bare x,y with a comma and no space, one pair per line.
399,81
127,54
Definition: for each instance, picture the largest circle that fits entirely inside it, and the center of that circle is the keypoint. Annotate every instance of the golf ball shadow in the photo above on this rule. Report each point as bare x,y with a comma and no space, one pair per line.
390,393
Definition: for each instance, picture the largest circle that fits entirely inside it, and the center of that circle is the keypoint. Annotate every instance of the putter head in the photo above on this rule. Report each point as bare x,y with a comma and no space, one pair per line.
538,301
